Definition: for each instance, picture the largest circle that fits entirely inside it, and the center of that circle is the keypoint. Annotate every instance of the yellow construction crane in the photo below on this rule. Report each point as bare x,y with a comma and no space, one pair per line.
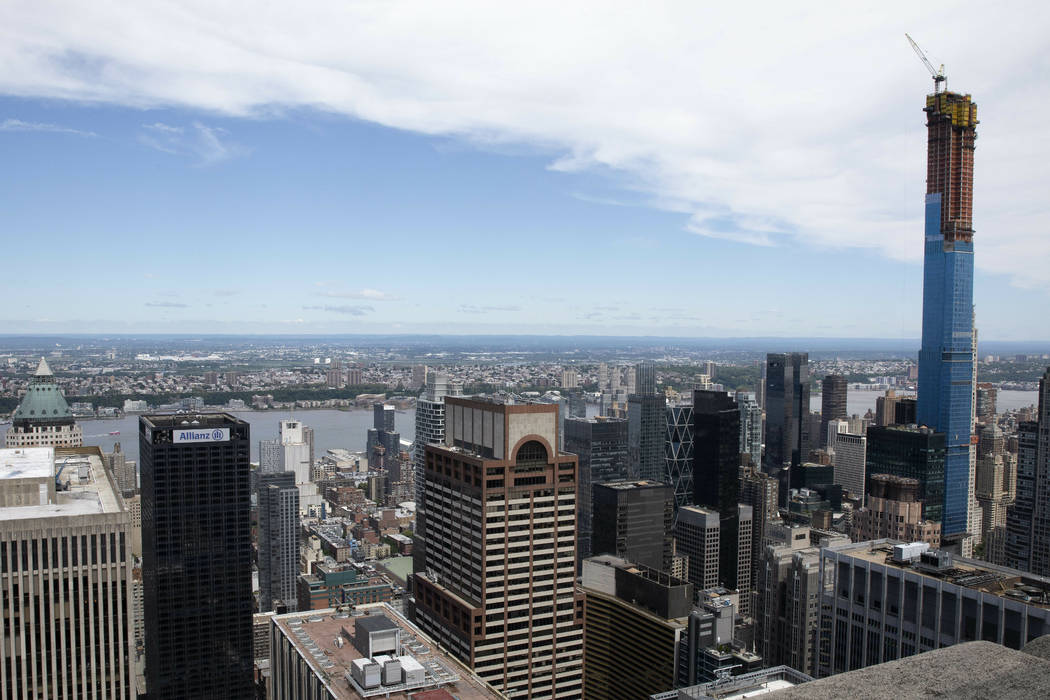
938,75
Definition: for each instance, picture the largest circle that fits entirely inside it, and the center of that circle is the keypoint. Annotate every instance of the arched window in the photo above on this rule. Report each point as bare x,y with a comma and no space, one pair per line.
532,451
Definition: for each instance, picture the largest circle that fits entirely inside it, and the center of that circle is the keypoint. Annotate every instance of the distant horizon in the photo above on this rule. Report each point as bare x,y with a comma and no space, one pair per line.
820,342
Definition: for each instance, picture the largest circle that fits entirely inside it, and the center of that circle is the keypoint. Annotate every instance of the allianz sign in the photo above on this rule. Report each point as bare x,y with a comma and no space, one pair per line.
209,435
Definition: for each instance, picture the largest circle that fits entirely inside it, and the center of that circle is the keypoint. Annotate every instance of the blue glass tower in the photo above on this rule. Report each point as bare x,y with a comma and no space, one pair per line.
946,356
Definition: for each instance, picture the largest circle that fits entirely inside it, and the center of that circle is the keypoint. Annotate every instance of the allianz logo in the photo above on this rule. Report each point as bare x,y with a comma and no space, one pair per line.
200,435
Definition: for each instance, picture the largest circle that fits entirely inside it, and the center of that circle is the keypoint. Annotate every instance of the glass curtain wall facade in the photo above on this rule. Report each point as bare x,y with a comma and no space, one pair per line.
946,361
678,454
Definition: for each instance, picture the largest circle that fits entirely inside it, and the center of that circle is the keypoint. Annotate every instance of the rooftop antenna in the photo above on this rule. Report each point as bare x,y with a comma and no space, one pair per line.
938,75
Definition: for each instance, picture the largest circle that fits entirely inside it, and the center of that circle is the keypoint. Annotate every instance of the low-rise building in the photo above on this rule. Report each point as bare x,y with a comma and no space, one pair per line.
333,585
328,655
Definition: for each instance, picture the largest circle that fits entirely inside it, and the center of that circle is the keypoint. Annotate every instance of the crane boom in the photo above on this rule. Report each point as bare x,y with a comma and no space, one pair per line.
938,75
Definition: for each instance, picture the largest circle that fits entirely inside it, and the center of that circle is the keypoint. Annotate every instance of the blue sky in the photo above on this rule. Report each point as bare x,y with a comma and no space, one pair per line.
148,187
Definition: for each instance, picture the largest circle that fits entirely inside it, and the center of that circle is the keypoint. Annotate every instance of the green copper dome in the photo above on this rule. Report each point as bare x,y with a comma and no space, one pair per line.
43,400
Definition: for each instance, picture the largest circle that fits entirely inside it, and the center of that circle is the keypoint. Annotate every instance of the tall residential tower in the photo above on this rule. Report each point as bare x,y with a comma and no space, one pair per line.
945,401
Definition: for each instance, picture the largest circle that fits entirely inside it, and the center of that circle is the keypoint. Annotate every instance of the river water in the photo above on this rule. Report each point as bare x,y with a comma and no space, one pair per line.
348,429
858,401
332,428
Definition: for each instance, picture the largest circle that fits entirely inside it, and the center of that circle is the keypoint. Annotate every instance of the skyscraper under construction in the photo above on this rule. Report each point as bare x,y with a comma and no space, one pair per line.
947,353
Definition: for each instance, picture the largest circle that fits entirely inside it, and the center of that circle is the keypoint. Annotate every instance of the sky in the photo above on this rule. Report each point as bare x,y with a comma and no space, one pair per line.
611,168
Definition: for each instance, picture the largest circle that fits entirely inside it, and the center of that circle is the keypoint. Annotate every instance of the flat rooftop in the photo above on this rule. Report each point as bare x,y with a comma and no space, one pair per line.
746,685
90,490
966,573
192,420
633,484
314,635
27,462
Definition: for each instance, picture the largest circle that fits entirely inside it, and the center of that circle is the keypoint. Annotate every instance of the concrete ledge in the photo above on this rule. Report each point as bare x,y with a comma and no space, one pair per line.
1039,647
971,670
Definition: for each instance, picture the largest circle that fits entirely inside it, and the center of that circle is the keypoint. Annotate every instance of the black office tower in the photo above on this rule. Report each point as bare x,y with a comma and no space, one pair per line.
716,470
913,453
601,445
196,556
716,450
646,433
787,417
632,520
832,404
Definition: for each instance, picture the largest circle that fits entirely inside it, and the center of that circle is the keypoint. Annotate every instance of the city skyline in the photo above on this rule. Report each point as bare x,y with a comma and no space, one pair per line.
551,351
351,176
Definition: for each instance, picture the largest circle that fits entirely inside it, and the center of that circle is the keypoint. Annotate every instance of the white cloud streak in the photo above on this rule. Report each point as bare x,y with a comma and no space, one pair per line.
341,309
19,125
207,145
768,125
370,294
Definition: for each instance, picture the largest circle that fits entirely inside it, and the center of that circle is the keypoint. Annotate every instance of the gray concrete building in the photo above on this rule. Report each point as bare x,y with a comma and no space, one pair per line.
123,470
788,613
884,600
850,460
278,500
696,533
65,573
1027,545
430,429
759,491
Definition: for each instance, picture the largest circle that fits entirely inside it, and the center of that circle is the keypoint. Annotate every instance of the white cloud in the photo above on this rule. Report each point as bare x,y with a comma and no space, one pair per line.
762,124
371,294
208,145
19,125
485,309
341,309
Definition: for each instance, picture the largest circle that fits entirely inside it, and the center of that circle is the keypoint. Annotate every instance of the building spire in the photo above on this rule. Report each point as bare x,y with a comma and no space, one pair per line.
42,370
